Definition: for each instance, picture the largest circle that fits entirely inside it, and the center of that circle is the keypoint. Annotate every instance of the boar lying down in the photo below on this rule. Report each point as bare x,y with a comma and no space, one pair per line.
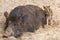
21,19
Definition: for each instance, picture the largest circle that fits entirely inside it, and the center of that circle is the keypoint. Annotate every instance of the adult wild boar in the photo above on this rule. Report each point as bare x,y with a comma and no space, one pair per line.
21,19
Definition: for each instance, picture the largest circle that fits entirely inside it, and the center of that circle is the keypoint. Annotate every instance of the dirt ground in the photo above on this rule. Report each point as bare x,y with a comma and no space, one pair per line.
50,32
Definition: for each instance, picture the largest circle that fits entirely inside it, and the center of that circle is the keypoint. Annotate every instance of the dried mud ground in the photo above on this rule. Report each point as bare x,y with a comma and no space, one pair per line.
50,32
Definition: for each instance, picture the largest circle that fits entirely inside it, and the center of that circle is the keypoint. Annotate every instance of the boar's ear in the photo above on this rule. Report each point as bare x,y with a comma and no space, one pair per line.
6,14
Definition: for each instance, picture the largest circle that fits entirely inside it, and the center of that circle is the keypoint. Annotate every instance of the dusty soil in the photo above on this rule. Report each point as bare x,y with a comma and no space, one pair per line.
51,32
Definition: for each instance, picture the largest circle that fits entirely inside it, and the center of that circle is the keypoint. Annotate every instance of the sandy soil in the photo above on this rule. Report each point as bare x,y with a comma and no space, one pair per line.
48,33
